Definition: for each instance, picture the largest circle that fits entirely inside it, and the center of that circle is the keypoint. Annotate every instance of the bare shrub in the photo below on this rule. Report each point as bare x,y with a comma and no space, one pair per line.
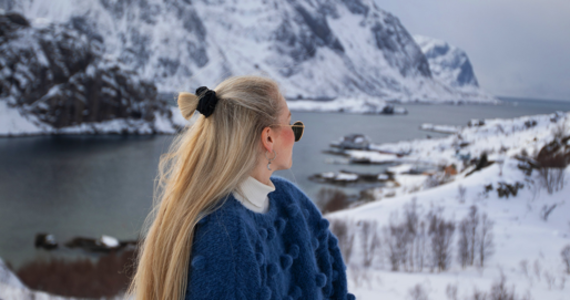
418,241
418,292
451,292
546,211
461,191
552,179
499,290
441,234
485,240
370,241
360,276
406,240
411,221
463,244
537,269
107,277
550,279
479,295
524,267
468,237
341,229
332,200
396,239
565,253
421,241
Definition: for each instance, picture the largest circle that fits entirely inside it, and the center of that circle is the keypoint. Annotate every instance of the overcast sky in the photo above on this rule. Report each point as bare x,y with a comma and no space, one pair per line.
518,48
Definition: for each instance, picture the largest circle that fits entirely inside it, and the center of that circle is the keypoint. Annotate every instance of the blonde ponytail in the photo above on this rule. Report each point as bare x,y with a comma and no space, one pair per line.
187,102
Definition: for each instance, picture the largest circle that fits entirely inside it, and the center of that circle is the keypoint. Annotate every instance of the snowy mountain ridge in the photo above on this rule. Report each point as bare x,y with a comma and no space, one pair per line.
314,49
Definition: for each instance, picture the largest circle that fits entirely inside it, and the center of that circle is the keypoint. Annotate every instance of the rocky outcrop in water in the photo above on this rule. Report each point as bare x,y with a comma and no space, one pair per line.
57,75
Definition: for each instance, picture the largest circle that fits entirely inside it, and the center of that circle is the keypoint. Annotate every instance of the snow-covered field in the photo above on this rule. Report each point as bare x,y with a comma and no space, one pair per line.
529,230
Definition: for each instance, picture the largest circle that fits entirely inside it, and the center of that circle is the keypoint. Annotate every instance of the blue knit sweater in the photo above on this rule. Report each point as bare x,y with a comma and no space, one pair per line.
286,253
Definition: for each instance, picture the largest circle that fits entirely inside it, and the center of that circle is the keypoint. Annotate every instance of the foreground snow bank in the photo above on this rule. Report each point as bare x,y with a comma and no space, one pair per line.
530,227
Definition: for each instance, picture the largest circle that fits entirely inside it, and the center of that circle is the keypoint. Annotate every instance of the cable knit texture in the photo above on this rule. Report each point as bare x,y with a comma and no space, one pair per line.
286,253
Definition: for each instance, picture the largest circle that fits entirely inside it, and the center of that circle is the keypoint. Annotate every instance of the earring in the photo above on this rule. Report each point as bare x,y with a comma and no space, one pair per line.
270,160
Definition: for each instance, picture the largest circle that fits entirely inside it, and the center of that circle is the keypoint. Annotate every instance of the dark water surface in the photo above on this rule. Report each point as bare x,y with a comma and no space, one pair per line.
93,185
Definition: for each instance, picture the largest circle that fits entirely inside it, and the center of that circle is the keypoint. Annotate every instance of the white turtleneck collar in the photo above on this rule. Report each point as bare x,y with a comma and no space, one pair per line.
255,194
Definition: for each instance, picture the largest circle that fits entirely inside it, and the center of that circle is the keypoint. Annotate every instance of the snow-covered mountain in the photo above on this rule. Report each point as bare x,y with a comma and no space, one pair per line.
316,49
449,64
55,79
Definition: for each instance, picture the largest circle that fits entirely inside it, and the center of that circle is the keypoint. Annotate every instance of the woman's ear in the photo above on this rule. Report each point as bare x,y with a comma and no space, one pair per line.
268,138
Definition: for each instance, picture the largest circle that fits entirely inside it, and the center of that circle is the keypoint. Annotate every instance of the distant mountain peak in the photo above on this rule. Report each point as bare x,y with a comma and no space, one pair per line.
448,63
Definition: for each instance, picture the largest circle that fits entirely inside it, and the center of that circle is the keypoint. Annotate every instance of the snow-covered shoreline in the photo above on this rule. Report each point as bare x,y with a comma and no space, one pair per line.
531,227
13,123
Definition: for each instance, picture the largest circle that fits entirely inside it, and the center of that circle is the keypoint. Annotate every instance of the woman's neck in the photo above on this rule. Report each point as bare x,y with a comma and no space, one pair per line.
262,174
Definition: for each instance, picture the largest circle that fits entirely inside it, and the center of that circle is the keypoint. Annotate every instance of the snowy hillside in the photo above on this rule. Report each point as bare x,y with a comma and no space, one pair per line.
507,176
55,80
317,50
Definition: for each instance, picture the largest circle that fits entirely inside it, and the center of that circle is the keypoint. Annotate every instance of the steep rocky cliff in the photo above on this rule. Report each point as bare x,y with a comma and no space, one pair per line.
448,63
56,76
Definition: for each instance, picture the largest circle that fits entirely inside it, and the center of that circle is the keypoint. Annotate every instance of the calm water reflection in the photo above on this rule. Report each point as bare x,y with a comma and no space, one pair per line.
94,185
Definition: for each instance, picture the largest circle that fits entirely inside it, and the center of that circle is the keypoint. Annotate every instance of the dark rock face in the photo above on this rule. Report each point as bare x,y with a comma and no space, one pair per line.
356,7
57,73
135,49
466,76
399,48
301,34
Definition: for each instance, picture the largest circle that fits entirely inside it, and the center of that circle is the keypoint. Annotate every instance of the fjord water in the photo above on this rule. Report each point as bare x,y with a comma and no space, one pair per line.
93,185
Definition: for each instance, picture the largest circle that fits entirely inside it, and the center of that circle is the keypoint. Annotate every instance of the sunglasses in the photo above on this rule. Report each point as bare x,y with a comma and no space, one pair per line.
298,129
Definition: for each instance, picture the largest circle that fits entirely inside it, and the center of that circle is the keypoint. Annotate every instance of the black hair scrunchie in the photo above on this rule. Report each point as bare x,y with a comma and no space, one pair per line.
207,102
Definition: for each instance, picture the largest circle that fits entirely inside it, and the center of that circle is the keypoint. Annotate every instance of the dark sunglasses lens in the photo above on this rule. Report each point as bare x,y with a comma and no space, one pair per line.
298,130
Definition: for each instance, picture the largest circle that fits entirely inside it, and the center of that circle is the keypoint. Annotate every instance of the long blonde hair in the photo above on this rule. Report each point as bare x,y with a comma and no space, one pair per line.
205,163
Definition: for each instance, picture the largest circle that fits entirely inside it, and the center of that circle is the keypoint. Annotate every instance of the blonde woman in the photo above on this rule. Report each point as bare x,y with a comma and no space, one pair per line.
224,227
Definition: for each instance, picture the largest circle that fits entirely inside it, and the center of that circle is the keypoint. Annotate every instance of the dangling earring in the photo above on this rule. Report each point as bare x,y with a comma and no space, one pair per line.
270,160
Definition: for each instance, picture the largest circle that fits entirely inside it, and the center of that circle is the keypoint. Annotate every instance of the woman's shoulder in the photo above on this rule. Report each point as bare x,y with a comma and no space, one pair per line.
297,199
282,182
285,187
